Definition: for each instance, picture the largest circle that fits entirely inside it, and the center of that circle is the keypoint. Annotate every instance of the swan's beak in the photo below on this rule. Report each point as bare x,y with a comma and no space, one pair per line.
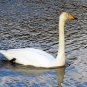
71,17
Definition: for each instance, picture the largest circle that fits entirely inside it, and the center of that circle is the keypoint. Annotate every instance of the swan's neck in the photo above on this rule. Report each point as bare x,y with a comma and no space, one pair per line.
61,52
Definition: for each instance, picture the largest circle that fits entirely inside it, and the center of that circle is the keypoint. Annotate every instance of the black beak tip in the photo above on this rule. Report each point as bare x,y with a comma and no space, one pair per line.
75,18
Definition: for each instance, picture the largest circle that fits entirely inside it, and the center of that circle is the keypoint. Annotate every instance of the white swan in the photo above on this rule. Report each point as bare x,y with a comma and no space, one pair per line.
39,58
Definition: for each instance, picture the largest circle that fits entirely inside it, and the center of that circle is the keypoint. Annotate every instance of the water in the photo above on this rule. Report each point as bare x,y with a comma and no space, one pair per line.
34,23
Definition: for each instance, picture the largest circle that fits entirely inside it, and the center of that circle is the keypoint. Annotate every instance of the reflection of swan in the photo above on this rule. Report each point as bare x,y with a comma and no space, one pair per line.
38,58
60,73
47,76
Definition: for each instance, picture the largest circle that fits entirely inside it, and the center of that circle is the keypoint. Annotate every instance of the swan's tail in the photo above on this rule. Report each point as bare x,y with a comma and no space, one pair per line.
2,51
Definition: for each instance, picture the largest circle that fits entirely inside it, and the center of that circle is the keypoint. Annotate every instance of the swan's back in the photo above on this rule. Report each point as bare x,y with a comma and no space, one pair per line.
29,56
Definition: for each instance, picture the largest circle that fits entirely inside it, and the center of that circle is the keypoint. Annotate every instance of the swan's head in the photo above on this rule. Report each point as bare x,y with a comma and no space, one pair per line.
66,16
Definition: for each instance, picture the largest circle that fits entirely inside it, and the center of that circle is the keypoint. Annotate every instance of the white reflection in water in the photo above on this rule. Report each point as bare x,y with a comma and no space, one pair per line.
28,76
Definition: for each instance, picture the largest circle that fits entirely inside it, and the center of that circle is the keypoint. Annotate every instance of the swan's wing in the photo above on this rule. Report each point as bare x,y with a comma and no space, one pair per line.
29,56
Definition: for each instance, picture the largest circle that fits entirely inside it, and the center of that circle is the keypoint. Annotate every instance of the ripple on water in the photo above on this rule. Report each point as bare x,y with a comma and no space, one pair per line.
30,23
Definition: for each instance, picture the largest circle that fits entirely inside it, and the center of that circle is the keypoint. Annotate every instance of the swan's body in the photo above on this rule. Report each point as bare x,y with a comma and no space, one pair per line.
39,58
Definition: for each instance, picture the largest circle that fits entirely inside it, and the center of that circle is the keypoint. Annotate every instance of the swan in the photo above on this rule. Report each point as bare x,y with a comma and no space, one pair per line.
39,58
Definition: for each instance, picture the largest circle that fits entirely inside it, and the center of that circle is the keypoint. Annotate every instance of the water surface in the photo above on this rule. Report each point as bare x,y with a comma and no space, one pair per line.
34,23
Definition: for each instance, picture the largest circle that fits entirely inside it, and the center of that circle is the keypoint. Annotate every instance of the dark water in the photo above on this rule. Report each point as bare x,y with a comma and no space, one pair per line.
34,23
